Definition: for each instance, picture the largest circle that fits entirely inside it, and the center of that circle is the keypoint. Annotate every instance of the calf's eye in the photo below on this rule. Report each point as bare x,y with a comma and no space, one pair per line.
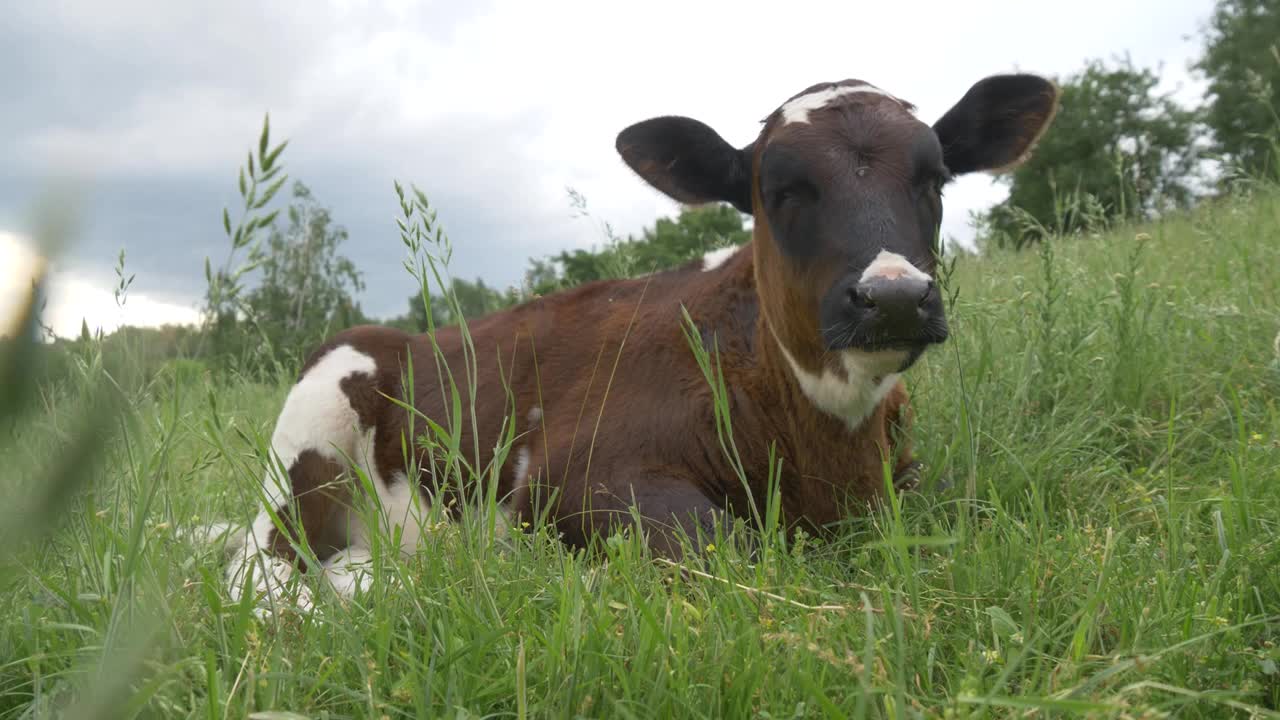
792,193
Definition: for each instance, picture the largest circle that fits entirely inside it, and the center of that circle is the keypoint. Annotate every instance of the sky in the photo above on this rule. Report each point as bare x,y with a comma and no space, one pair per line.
494,108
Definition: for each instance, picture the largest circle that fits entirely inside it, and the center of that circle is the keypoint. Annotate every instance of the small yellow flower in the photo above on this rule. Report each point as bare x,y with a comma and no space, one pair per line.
990,656
711,547
1256,437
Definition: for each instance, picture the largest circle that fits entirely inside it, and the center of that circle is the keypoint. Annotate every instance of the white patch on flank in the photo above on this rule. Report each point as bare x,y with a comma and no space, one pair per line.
522,467
521,474
715,258
521,480
523,457
892,266
869,376
318,416
797,110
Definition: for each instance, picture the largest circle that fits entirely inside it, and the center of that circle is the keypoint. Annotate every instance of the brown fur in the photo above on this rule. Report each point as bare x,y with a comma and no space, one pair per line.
625,410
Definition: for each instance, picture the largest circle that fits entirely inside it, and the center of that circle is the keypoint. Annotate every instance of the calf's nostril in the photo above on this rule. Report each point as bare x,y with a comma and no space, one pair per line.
860,297
928,292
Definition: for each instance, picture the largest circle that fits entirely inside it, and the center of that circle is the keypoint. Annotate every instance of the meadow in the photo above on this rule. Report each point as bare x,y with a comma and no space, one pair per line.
1097,535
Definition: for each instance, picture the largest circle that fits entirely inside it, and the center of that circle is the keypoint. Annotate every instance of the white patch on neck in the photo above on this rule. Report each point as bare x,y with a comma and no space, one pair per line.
892,266
869,376
716,258
798,109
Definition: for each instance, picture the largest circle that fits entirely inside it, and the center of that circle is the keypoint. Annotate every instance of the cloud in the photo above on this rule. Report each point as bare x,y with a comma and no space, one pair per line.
494,108
73,300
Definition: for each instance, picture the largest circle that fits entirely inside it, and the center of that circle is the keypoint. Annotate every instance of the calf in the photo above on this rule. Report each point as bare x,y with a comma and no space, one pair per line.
814,321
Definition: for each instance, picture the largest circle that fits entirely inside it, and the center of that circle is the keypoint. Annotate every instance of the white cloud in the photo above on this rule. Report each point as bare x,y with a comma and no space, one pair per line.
74,299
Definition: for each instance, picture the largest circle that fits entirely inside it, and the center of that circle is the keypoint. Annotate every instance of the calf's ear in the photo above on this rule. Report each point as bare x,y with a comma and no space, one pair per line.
995,125
688,161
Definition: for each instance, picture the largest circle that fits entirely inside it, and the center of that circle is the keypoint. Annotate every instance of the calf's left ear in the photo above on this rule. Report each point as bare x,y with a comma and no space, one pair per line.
688,161
996,123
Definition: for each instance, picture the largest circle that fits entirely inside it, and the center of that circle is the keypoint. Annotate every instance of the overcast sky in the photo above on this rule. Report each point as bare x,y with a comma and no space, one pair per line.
493,108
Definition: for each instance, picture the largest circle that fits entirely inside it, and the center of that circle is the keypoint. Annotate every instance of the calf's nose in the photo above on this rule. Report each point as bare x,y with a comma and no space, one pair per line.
902,302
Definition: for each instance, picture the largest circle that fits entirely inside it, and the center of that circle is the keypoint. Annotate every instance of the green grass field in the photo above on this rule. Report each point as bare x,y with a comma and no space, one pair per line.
1098,535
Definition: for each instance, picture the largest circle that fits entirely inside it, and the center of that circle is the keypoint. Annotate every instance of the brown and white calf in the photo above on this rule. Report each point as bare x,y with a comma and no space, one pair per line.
815,320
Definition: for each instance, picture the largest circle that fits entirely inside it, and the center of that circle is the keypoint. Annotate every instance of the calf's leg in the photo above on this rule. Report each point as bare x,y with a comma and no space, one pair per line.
668,507
899,418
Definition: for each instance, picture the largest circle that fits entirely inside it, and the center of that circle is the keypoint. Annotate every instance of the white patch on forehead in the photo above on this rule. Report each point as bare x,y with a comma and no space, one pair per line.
869,376
797,110
716,258
892,266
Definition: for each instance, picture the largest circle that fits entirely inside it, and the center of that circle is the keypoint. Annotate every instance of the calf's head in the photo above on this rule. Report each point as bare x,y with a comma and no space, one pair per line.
845,186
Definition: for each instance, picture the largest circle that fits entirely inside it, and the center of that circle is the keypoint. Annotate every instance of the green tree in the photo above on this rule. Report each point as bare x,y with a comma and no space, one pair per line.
584,266
695,232
474,299
306,287
1116,150
416,319
1241,62
668,244
542,276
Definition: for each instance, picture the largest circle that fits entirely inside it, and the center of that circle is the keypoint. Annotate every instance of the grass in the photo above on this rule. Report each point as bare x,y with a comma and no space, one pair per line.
1098,536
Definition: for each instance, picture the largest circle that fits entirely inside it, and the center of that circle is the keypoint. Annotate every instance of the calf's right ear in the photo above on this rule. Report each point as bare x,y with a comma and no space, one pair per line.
688,161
